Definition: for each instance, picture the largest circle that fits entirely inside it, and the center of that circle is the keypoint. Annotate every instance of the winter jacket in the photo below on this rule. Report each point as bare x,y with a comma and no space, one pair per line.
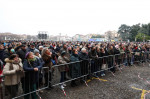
122,54
75,68
47,62
104,59
117,54
84,63
62,60
11,77
67,52
83,56
2,52
32,76
92,54
22,53
110,52
7,54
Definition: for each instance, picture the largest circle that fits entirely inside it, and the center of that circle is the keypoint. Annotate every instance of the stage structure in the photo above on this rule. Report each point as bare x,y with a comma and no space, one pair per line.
42,35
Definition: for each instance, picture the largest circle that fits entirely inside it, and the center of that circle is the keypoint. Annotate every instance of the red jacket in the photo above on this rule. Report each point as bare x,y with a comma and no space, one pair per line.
0,74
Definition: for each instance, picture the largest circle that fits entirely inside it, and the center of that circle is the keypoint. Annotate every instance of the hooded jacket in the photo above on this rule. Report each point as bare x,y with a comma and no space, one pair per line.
11,77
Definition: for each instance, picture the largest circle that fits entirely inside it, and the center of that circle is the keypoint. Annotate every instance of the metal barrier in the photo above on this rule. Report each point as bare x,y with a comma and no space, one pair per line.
71,72
2,87
28,86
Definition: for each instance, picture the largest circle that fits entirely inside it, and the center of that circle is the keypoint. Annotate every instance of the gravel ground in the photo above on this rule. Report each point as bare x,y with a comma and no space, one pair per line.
124,85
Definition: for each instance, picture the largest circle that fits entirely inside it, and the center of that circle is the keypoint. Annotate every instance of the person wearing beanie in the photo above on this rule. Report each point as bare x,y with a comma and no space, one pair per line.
31,65
31,48
40,49
63,69
64,48
75,68
37,53
9,52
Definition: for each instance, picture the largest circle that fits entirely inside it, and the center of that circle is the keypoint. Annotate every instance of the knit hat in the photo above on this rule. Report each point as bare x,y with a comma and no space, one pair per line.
40,47
36,51
63,53
27,54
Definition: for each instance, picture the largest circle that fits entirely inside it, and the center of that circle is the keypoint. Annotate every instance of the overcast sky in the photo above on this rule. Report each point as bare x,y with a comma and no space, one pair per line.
71,16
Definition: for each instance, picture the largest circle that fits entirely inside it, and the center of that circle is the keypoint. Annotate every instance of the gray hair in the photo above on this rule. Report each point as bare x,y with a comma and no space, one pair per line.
83,49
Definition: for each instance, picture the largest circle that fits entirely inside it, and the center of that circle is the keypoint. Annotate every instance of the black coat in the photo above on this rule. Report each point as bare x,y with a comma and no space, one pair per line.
83,56
31,76
2,52
7,54
75,68
93,54
84,64
104,59
21,53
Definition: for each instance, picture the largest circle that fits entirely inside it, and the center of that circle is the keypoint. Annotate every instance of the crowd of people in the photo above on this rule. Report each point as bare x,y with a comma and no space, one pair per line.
22,61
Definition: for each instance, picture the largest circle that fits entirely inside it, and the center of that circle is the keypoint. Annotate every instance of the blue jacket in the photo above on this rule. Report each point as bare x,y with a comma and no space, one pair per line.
32,76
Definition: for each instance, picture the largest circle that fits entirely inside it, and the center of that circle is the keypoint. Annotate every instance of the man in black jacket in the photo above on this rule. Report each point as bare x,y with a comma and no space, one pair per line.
22,52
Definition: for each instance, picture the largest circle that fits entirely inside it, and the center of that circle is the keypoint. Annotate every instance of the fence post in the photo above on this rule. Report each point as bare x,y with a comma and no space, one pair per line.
2,89
89,72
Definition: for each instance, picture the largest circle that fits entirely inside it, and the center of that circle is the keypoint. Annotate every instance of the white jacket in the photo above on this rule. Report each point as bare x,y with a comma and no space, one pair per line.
11,77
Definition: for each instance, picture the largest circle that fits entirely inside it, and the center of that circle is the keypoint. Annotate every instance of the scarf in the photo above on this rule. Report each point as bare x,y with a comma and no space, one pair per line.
13,62
32,60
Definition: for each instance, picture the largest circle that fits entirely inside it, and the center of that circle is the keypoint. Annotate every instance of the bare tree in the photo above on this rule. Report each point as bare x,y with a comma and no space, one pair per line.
109,35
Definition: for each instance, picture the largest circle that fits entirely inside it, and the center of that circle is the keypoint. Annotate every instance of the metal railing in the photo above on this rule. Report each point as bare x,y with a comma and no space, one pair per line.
71,72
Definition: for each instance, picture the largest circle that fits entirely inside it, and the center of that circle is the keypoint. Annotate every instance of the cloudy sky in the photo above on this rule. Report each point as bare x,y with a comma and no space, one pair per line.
71,16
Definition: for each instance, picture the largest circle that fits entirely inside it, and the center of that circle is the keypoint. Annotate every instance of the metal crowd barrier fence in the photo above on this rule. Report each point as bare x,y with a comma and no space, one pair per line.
15,87
2,87
94,67
70,72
